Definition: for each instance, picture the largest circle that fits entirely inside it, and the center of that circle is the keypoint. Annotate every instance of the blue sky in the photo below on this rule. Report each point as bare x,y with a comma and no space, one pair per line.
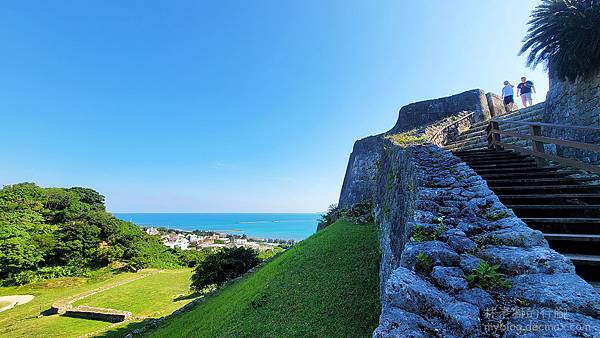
231,106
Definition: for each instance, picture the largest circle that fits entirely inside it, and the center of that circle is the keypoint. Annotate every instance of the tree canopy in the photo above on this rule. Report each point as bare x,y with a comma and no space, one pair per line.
565,36
51,232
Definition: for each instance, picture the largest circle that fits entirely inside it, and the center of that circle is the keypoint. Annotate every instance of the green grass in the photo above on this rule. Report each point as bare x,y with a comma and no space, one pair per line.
325,286
151,295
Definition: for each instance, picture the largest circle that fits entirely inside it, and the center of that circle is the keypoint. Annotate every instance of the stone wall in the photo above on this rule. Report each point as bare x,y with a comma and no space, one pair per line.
575,103
361,171
495,104
439,221
420,114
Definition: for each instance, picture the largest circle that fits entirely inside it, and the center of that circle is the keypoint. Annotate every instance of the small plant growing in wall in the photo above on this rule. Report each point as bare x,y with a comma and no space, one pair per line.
494,215
487,277
419,234
423,262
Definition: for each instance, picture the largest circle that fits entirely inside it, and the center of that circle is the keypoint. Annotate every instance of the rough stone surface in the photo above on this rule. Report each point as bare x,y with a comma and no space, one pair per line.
574,103
515,260
438,253
542,322
359,182
422,113
477,297
565,291
449,278
395,322
407,291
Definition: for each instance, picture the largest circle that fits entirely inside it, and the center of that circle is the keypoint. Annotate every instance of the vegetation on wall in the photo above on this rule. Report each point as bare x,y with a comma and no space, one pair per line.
360,213
565,36
54,232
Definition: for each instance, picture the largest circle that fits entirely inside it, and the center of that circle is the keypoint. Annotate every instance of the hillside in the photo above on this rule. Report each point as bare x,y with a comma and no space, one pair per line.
327,285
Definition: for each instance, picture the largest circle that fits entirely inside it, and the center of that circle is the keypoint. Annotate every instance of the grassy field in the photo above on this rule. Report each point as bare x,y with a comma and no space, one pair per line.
151,296
325,286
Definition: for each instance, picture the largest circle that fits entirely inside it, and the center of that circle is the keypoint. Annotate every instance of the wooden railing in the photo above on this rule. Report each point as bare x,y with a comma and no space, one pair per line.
455,122
538,141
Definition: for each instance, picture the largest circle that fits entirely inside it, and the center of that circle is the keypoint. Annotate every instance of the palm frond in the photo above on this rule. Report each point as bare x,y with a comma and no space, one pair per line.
564,35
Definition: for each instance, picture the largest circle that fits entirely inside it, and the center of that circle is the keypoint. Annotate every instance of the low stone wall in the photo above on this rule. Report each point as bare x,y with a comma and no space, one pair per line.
439,221
95,313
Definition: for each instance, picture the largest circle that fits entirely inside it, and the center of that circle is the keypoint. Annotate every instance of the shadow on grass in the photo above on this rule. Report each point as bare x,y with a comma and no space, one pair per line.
186,297
122,331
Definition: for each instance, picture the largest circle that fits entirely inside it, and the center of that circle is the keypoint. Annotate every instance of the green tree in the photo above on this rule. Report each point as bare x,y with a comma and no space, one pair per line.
224,265
565,35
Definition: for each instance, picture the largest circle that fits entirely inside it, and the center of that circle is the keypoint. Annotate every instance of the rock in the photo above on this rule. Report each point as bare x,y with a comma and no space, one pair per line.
424,216
516,261
463,316
515,236
565,291
438,253
395,322
469,228
477,297
536,322
450,278
428,205
468,263
407,291
461,244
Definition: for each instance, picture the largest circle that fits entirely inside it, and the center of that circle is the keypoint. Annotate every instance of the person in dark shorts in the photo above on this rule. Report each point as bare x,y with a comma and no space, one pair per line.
524,89
508,96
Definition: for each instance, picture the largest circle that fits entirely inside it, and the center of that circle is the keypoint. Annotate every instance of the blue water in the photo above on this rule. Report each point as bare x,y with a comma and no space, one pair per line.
278,226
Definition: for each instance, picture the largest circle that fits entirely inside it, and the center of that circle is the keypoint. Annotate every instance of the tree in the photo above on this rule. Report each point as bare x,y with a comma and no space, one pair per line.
565,36
223,266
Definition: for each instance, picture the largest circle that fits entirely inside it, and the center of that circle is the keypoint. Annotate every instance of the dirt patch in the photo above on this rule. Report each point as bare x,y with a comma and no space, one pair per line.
8,302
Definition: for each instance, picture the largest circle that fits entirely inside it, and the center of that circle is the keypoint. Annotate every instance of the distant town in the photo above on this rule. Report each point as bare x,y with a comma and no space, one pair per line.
198,239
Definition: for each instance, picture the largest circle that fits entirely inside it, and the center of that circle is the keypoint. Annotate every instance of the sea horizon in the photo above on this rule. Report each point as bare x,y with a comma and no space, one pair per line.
296,226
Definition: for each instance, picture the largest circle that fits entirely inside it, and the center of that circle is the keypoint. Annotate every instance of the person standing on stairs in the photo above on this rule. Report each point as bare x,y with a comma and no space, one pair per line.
524,89
508,96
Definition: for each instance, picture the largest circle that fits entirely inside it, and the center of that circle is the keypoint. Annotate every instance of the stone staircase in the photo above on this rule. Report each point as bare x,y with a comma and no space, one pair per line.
475,138
564,204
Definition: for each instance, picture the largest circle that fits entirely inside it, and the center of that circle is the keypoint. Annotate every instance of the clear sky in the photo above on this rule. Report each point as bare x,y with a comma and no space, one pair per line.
231,106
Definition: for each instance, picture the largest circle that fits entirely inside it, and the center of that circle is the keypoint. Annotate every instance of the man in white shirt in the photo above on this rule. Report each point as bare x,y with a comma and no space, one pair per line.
508,96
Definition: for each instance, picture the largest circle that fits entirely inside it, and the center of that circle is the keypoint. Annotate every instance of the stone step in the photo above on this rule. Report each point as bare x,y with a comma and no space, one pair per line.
555,211
550,199
532,175
584,259
538,181
506,160
505,165
572,237
548,189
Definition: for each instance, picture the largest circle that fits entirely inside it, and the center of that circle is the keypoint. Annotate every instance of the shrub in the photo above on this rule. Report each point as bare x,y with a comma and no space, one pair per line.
360,213
223,266
565,35
487,277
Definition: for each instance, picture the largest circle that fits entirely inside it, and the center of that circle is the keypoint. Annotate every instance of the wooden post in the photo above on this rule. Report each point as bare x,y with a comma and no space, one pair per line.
536,146
493,136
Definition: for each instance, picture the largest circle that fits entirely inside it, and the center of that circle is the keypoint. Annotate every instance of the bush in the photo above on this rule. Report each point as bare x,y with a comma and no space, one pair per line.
360,213
565,35
223,266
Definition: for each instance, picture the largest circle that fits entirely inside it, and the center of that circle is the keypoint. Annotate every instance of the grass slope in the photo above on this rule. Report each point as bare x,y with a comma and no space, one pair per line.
153,296
327,286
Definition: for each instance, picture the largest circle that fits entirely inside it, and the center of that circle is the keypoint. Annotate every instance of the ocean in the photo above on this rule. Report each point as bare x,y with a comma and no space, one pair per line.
276,226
